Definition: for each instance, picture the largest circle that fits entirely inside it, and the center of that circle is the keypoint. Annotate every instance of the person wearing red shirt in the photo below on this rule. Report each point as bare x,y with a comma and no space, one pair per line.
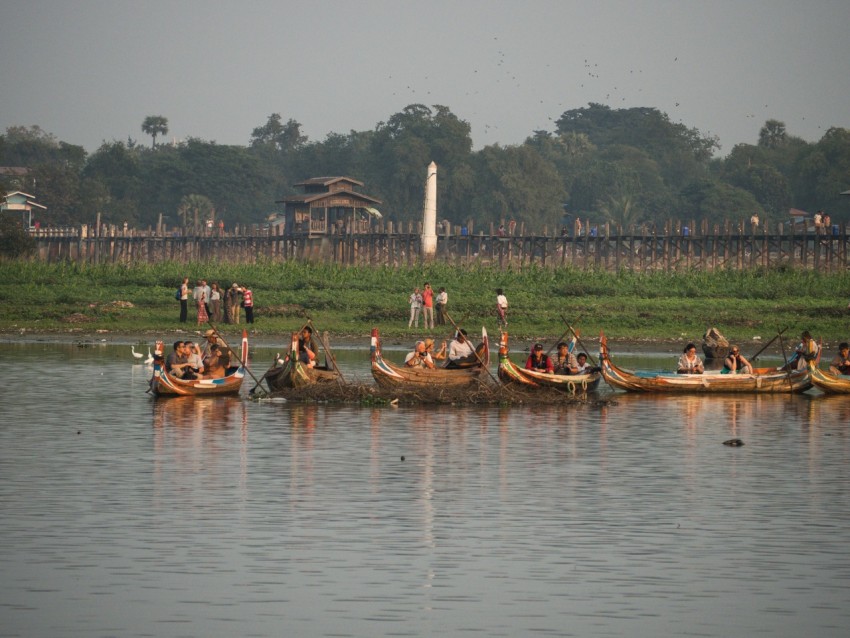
539,360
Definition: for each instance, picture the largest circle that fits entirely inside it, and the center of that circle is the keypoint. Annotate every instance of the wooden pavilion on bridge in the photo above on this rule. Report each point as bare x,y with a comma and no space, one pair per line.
328,206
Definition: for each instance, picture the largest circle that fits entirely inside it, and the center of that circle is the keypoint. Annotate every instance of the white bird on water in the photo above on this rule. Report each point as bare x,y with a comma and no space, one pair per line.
149,360
136,355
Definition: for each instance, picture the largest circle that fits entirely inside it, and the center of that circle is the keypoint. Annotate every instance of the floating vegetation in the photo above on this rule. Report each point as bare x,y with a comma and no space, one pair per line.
369,395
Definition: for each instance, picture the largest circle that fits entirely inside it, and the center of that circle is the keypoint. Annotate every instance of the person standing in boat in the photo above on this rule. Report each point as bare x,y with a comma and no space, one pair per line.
419,358
841,362
539,360
565,362
736,363
690,362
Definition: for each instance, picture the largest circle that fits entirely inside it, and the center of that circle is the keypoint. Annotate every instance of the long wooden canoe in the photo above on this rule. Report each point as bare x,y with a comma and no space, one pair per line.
167,385
295,374
390,375
762,380
827,381
510,373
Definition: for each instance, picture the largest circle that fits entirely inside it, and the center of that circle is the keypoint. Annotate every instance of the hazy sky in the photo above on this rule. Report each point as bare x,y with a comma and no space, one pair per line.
90,71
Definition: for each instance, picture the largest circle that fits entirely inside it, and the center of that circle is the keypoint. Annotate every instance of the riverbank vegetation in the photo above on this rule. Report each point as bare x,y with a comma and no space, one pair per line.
349,301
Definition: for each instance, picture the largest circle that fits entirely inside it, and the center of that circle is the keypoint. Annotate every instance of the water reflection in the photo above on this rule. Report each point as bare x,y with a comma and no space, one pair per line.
194,516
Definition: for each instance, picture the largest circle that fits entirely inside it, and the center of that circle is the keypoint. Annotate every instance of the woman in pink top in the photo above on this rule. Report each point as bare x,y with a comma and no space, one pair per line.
428,305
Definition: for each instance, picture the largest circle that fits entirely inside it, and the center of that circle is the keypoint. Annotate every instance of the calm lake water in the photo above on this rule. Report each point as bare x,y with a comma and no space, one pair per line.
128,516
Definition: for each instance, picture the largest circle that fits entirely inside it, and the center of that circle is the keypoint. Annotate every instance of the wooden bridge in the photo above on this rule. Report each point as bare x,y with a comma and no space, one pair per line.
671,247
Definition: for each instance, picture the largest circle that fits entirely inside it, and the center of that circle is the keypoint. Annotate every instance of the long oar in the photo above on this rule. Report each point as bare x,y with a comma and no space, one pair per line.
323,340
765,347
584,347
474,351
238,358
787,364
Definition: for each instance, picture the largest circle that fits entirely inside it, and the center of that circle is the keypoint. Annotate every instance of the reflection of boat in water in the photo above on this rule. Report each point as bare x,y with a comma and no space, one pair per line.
509,373
762,380
165,384
390,375
827,381
214,413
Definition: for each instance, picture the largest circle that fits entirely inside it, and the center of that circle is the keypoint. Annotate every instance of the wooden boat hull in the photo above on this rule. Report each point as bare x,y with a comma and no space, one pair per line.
297,376
510,373
166,385
392,376
762,381
163,384
828,382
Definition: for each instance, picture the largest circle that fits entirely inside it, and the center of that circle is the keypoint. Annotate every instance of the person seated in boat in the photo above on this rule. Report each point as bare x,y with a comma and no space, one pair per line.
736,363
461,352
307,348
690,362
211,337
841,362
583,366
177,363
807,350
419,358
196,360
539,361
429,348
565,362
214,363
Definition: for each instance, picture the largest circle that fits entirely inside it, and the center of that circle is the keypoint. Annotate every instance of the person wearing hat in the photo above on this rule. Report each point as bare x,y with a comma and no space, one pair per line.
211,338
539,360
565,362
429,348
231,300
419,358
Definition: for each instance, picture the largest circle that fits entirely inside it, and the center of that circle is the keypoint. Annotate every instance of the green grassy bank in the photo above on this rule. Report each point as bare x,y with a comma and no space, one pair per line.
350,301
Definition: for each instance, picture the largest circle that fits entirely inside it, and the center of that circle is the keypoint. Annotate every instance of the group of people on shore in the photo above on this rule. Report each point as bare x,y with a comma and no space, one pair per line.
214,304
431,307
735,363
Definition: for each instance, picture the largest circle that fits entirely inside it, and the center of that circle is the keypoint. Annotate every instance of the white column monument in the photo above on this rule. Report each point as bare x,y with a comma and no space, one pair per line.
429,218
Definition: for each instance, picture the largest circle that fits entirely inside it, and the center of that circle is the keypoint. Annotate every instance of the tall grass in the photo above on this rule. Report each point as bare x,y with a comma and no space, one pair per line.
351,299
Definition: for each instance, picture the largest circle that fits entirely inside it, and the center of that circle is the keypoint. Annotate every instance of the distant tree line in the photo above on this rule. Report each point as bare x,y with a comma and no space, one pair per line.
626,166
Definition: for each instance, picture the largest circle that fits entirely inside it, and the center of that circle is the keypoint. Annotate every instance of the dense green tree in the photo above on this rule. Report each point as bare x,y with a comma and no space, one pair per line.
14,240
155,125
516,182
822,172
717,202
773,134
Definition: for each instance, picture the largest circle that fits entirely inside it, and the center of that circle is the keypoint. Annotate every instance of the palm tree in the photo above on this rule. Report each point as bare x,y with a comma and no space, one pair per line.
772,134
155,125
194,210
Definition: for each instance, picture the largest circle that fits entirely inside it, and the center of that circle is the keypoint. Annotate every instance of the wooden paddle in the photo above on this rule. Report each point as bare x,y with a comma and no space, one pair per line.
474,351
323,339
584,347
238,358
765,347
